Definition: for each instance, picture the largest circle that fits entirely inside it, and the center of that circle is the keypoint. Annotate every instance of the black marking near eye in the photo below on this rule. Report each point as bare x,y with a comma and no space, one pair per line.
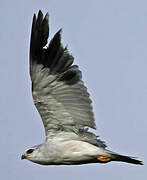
30,151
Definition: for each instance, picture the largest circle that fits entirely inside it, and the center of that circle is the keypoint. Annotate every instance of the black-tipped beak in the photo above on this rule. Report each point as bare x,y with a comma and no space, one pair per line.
22,157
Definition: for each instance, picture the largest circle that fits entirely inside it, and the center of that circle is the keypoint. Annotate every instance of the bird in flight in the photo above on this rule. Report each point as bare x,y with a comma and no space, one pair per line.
64,105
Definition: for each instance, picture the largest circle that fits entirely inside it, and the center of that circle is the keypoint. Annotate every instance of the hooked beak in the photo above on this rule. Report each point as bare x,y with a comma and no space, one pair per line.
23,157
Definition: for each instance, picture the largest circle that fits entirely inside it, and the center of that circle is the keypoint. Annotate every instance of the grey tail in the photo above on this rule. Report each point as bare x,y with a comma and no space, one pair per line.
127,159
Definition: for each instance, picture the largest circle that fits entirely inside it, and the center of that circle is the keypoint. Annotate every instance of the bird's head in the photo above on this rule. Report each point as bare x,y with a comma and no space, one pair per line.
29,154
35,154
32,154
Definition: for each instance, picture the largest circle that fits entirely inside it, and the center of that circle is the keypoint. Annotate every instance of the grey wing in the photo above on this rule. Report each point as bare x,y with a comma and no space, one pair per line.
58,91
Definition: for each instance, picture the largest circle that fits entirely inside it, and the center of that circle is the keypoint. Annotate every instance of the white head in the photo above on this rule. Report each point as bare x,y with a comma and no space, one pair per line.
34,154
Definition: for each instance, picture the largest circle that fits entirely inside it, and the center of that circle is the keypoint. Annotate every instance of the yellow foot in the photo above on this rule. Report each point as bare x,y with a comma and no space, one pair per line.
103,158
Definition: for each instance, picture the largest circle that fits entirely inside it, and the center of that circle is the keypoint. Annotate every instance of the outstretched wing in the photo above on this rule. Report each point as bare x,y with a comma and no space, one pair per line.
58,91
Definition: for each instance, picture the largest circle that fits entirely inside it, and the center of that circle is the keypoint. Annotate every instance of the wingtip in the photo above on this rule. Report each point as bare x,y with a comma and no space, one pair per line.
34,17
47,16
39,33
140,162
40,12
60,30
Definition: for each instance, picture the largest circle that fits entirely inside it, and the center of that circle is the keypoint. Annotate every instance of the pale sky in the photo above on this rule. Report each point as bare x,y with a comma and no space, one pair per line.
108,39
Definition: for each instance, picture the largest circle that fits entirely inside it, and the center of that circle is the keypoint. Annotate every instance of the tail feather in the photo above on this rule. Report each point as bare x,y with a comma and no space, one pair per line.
128,159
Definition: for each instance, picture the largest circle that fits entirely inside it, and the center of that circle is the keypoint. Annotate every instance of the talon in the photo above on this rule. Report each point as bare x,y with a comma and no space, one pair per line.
103,158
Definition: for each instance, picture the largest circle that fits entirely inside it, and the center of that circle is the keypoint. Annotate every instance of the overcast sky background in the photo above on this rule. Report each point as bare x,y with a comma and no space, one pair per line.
108,39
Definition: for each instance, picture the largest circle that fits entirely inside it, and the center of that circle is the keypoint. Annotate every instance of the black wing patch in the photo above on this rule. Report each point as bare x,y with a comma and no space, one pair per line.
53,56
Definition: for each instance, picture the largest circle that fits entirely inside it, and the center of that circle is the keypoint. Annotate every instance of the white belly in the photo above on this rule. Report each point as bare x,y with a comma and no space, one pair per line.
76,151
